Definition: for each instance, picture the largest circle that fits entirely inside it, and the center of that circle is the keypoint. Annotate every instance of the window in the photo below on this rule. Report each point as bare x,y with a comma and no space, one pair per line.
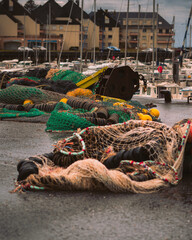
134,22
151,37
160,31
144,30
109,36
54,27
144,37
106,20
85,36
60,27
110,28
85,29
167,31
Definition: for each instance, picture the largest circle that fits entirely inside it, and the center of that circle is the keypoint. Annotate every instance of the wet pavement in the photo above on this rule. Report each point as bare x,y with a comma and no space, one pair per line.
87,215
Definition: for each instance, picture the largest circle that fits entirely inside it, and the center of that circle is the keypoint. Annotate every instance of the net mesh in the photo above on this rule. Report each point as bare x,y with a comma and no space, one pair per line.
17,94
93,160
68,75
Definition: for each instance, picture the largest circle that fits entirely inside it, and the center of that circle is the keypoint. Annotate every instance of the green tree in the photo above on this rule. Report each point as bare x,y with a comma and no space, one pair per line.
30,5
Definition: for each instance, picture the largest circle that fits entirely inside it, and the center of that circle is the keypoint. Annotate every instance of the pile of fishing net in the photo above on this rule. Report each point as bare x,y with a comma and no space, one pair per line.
78,108
135,156
67,75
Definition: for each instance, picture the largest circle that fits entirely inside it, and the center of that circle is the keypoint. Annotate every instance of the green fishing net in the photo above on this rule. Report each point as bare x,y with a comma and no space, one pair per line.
17,94
68,75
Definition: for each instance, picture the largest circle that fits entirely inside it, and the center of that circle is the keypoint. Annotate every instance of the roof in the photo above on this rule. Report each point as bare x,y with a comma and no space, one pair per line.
100,18
3,11
18,9
142,15
42,11
76,10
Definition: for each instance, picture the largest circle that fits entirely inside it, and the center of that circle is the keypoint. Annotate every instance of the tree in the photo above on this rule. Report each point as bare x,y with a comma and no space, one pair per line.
30,5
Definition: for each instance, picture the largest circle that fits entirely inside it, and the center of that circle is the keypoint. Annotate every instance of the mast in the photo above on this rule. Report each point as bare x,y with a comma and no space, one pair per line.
24,41
190,40
49,33
157,32
153,53
94,31
81,49
173,52
36,42
138,36
183,45
126,34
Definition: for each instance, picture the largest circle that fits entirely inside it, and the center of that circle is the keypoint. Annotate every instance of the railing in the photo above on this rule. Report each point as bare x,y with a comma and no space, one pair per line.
165,34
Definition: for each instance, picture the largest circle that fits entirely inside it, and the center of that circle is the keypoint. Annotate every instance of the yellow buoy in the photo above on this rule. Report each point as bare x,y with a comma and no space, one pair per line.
64,100
154,112
144,117
144,110
27,101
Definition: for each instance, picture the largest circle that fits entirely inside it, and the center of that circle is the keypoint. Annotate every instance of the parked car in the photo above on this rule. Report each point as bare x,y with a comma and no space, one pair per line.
113,48
25,49
41,48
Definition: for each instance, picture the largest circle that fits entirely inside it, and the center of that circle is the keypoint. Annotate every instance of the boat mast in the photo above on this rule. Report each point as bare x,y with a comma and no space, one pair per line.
183,45
36,42
138,36
157,32
94,31
49,33
24,42
81,49
153,53
190,41
126,34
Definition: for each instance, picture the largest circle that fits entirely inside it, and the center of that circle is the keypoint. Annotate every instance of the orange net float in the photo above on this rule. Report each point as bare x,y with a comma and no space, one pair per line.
189,140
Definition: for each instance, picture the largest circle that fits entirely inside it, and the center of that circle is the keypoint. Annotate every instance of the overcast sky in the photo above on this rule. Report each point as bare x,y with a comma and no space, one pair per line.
167,9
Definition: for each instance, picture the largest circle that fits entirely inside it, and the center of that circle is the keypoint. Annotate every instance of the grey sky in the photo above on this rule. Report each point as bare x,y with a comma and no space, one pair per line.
167,9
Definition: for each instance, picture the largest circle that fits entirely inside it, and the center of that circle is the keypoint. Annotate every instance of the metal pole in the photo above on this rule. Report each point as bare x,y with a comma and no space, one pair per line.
153,57
157,32
190,41
126,34
49,33
36,42
24,42
183,45
81,50
94,34
138,36
173,53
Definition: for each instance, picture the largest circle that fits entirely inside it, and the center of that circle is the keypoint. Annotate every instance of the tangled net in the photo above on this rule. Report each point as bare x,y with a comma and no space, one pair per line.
135,156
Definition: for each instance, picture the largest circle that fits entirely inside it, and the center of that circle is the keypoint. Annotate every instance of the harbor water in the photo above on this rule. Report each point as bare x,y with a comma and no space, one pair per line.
166,214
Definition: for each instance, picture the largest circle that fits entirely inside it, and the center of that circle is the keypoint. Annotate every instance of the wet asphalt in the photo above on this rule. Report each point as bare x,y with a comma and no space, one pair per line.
87,215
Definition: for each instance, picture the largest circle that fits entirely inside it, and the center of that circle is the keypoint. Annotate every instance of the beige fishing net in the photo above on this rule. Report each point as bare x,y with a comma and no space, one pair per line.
135,156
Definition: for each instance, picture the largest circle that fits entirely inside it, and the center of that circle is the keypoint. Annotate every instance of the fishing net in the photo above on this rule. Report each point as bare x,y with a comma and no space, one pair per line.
136,156
5,113
25,80
68,75
17,94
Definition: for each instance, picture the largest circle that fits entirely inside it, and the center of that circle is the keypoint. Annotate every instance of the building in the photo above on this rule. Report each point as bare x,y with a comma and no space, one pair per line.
140,30
56,28
108,29
17,25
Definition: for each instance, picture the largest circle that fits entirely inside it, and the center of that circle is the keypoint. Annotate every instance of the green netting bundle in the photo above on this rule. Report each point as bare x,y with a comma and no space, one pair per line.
64,121
17,94
68,75
5,113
